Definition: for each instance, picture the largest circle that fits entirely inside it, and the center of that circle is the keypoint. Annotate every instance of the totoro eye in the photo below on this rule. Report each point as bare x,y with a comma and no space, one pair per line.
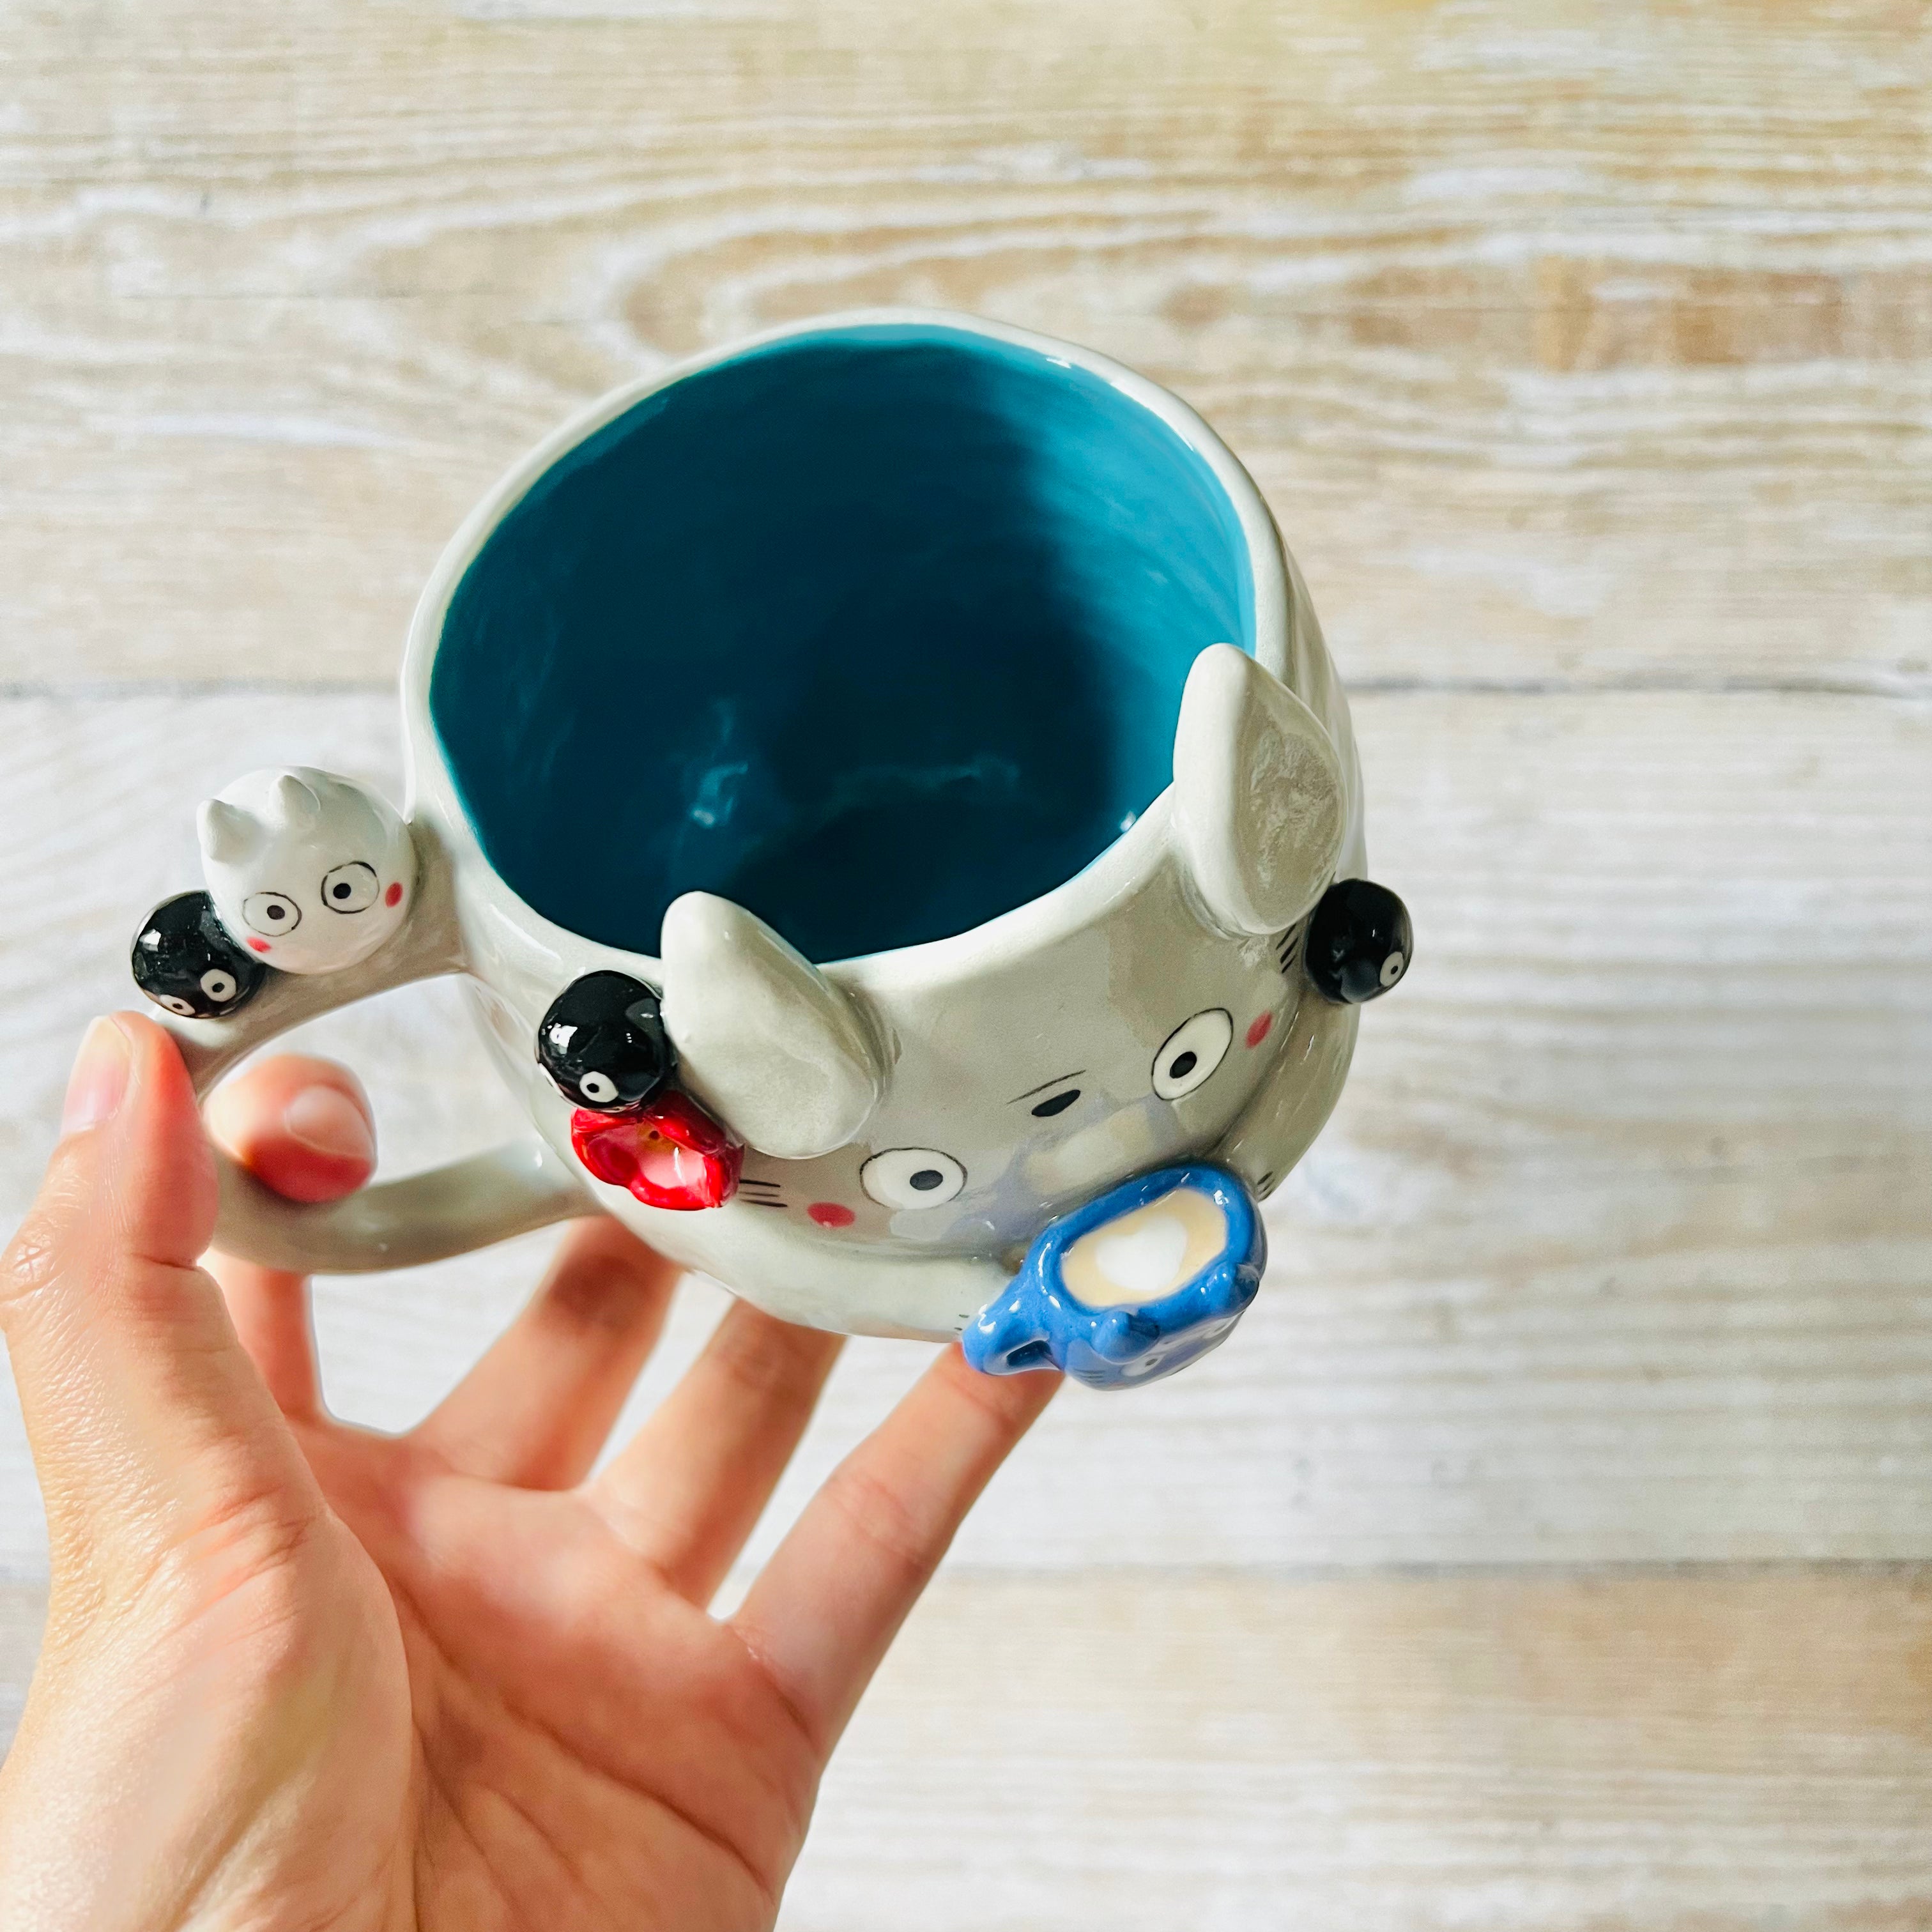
273,913
220,984
912,1177
1192,1052
599,1089
350,888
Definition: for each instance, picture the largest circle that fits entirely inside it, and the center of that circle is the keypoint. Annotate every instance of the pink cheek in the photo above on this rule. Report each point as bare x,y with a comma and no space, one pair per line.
258,946
393,896
1261,1028
831,1214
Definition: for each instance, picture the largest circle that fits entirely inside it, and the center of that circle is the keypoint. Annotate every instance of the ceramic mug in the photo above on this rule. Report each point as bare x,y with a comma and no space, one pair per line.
885,789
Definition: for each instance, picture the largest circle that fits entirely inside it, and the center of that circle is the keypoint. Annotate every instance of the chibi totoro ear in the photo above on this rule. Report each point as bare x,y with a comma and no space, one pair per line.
762,1035
295,799
228,833
1259,806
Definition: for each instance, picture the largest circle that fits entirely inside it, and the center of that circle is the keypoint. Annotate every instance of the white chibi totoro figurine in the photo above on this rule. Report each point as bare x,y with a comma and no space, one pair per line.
309,872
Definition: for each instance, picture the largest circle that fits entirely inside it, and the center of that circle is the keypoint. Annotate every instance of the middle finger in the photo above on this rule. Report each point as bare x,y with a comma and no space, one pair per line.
535,1410
301,1126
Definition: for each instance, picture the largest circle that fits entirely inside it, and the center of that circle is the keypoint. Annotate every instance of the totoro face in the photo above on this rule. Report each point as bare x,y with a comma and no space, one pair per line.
959,1107
949,1102
1014,1096
309,872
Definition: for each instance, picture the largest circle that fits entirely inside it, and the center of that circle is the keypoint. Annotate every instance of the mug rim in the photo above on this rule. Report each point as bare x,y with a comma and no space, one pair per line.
1114,874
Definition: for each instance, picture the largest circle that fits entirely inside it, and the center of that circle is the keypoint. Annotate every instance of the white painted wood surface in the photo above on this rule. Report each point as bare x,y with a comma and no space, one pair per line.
1570,343
1515,1754
1586,357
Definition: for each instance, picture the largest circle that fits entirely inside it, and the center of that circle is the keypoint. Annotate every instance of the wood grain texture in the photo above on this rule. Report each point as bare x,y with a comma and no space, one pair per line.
1616,1249
1573,345
1673,1753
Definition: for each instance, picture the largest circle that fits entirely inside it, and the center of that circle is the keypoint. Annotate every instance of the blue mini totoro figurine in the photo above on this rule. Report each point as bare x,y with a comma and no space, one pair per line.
1136,1284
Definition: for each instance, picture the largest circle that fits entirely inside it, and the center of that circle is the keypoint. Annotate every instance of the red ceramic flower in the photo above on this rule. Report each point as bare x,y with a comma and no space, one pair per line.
670,1154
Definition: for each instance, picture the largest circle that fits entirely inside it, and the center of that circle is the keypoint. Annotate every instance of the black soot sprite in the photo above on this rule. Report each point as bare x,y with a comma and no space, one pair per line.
603,1043
1360,942
184,961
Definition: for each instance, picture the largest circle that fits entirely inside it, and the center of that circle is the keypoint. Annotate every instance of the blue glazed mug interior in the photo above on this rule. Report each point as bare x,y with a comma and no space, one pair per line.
879,632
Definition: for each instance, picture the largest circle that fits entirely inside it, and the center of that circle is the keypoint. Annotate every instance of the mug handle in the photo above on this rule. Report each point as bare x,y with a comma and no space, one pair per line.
444,1210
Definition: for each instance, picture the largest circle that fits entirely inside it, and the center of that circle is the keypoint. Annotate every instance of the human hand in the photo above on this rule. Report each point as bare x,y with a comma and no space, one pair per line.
298,1675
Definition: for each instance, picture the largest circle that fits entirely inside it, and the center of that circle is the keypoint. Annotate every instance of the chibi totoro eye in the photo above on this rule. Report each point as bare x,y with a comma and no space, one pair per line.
273,913
912,1177
350,888
1191,1052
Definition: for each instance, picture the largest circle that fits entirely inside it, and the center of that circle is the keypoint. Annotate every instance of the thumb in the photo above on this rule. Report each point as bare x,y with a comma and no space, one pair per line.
148,1423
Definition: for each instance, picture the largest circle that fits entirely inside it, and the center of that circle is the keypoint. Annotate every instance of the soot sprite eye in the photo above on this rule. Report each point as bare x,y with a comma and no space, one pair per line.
272,913
598,1088
219,985
1191,1053
912,1177
175,1004
1392,969
350,888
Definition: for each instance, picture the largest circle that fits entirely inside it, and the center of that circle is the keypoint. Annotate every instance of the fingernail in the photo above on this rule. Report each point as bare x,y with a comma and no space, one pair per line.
325,1120
99,1080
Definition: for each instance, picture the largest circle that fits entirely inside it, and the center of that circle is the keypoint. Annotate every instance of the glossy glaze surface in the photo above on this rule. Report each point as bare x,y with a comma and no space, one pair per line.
603,1045
183,960
670,1155
1188,1254
1360,941
310,872
879,632
944,1101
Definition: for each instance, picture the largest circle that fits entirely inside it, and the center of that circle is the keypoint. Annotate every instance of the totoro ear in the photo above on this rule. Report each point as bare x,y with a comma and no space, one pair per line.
228,834
1260,808
762,1035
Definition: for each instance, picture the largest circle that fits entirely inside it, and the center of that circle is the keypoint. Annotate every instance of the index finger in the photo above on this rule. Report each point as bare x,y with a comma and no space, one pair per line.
142,1409
826,1608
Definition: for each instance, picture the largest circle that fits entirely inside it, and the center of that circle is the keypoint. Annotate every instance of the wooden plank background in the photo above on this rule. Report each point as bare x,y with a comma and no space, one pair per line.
1543,1552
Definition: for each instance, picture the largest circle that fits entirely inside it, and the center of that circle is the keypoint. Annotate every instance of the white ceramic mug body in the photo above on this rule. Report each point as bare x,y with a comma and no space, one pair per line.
983,1033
